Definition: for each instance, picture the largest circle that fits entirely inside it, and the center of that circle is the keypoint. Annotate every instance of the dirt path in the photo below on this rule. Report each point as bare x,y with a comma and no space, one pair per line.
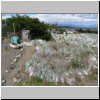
28,53
8,55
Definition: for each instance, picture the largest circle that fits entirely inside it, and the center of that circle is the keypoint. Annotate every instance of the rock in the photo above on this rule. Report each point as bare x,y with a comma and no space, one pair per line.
12,63
22,49
15,60
12,66
3,81
15,80
6,71
19,55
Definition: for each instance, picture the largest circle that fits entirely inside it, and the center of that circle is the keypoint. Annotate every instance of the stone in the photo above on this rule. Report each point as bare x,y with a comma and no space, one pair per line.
12,63
3,81
19,55
12,67
22,49
14,80
15,60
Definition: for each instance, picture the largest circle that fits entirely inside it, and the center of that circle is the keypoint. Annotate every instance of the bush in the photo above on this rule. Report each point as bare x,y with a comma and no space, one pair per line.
80,30
87,30
38,30
40,34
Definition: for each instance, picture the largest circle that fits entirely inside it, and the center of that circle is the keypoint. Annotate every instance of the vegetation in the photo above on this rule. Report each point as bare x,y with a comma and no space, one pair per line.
81,30
37,29
38,82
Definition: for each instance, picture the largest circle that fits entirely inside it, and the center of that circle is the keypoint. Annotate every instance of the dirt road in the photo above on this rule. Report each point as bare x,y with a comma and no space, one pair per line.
10,72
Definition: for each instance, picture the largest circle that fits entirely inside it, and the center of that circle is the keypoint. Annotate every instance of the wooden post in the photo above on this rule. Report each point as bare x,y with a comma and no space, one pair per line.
14,27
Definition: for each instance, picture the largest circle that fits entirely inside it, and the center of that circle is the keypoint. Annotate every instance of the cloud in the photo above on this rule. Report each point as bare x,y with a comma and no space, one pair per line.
84,20
5,16
64,18
79,19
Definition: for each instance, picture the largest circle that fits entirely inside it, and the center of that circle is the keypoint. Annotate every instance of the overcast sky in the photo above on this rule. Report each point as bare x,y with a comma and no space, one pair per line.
83,20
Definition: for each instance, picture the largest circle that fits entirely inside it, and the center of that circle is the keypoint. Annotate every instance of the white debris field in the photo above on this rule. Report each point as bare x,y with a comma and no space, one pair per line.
65,60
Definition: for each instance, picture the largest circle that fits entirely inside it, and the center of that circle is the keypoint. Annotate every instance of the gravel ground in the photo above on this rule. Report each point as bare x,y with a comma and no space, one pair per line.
7,56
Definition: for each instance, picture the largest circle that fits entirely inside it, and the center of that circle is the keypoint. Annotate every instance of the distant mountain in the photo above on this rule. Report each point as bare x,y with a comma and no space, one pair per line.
77,26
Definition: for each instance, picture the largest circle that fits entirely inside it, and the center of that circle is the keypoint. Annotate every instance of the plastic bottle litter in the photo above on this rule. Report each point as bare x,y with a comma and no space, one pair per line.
53,62
85,72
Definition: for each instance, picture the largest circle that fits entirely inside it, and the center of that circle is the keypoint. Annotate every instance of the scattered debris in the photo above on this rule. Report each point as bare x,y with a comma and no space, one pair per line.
62,62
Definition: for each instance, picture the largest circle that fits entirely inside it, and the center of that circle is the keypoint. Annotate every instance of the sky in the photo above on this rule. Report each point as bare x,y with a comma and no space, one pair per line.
74,20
